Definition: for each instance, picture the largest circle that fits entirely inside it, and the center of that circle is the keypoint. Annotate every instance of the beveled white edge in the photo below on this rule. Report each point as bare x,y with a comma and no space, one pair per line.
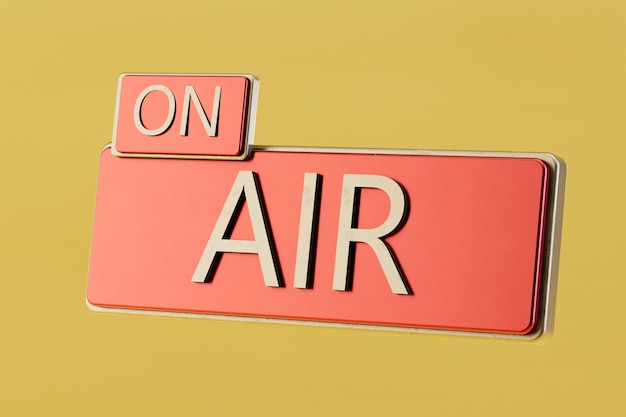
552,244
250,124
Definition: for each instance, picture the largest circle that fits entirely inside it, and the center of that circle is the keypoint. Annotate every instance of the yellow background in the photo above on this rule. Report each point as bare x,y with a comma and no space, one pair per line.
453,75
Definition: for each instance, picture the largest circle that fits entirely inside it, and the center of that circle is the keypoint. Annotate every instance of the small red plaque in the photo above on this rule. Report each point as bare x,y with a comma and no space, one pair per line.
199,116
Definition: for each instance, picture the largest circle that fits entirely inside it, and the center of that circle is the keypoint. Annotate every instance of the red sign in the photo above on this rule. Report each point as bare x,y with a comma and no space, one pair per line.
443,241
185,115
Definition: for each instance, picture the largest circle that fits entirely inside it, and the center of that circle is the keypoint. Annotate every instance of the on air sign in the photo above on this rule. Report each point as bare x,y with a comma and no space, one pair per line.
192,116
444,241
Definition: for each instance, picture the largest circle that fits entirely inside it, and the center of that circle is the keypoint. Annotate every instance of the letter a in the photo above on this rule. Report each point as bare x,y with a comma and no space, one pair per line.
245,188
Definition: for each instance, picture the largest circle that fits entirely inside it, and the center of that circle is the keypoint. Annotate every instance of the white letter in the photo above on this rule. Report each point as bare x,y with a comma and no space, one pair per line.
246,188
209,126
170,113
307,234
347,234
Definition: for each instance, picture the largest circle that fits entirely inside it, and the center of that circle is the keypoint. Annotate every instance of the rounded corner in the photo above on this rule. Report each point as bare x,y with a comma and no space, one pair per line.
91,306
252,78
108,146
122,76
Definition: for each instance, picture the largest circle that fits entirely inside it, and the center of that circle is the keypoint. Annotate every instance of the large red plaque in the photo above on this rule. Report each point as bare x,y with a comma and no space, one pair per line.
445,241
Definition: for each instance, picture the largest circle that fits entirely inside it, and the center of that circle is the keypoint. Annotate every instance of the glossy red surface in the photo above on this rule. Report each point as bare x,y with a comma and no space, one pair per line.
470,248
233,105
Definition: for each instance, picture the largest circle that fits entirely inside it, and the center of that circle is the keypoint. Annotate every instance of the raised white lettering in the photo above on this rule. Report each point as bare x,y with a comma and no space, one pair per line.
348,234
210,126
170,112
245,188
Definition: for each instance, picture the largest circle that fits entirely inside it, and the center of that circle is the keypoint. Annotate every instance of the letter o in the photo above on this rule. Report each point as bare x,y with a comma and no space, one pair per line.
170,113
